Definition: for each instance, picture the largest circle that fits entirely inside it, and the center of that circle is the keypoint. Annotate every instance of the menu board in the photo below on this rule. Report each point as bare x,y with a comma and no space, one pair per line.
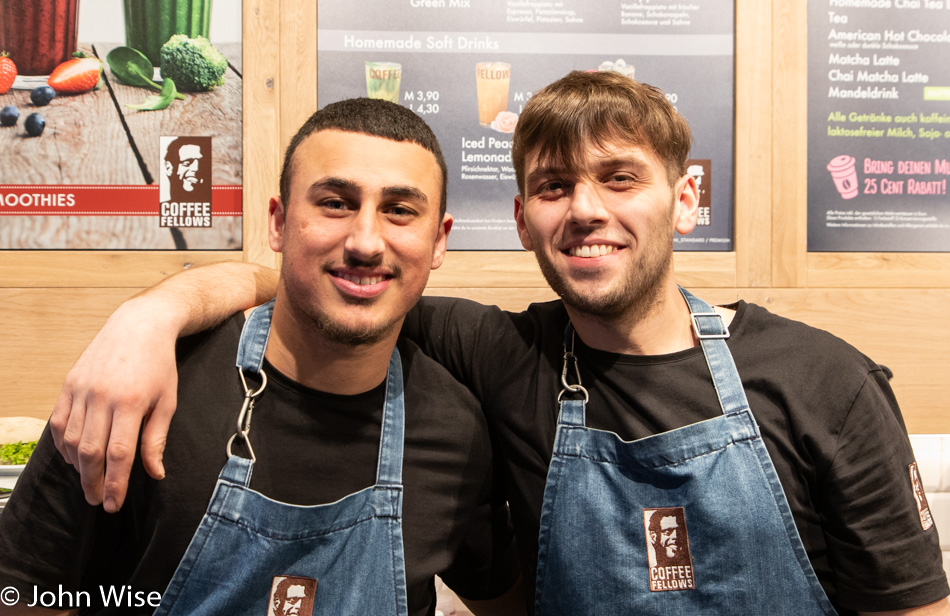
469,67
878,125
118,160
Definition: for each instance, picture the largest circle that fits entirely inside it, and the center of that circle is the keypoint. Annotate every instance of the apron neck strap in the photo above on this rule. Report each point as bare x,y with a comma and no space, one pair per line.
250,358
392,436
254,336
711,330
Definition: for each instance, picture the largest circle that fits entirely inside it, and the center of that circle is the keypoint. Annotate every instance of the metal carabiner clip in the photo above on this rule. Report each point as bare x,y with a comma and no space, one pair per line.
247,411
570,358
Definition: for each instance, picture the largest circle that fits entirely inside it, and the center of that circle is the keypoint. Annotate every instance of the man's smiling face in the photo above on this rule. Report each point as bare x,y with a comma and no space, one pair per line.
603,232
361,232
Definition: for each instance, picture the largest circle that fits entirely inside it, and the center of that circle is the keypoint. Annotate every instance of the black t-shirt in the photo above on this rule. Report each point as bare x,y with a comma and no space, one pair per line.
826,412
311,448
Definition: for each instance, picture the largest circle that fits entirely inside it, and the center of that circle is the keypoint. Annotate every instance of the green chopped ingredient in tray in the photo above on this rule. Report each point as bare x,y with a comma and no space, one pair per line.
16,453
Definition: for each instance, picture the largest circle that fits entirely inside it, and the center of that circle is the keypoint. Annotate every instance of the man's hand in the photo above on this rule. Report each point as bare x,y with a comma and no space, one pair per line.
128,374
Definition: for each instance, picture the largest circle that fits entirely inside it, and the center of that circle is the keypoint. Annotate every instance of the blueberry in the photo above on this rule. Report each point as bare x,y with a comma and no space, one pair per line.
35,123
42,95
9,115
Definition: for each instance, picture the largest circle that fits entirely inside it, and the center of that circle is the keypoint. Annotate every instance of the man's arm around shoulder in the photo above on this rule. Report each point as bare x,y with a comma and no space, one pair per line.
128,374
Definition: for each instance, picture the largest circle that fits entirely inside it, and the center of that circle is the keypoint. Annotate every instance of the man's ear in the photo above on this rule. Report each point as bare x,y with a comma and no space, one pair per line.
169,169
686,204
519,221
438,254
275,224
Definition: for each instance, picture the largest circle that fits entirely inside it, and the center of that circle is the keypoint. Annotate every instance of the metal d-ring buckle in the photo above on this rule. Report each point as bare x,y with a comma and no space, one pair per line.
722,322
247,410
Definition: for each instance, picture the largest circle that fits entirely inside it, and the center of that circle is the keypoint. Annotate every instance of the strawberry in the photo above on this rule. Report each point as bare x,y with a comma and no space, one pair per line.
79,74
7,72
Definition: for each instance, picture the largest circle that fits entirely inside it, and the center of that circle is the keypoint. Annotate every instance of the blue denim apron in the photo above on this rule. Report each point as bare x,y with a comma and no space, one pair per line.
690,521
256,556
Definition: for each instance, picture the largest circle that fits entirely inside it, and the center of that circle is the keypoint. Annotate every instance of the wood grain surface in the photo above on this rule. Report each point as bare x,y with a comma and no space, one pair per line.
84,142
94,138
216,113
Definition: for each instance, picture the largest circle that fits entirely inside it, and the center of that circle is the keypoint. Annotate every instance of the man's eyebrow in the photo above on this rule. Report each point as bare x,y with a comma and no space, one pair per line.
641,165
344,185
546,171
638,163
406,192
333,183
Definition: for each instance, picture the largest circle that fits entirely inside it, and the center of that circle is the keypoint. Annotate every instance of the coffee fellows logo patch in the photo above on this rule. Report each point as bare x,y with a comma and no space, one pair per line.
671,565
926,520
291,596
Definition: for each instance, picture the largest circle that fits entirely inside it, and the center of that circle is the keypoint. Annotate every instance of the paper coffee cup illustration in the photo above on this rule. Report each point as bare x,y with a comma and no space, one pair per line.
491,84
845,175
382,80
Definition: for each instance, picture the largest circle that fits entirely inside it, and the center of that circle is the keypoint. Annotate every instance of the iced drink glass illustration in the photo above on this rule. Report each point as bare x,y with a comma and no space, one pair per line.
491,84
39,34
150,23
845,175
382,80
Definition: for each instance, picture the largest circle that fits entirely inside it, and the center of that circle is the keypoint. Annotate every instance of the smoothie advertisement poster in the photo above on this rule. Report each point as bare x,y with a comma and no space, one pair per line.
120,125
468,68
878,125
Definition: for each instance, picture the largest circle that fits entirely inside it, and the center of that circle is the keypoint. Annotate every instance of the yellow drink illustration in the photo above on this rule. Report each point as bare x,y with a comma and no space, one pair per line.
491,83
382,80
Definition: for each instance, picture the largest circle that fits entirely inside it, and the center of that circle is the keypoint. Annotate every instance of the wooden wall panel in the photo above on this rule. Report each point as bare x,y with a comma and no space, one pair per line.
261,122
891,306
753,162
50,329
789,121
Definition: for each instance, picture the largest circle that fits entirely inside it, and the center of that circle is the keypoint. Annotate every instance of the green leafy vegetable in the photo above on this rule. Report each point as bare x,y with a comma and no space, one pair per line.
131,67
16,453
154,102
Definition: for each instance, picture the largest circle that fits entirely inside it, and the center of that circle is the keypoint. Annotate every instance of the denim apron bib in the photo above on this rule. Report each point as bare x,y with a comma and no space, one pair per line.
256,556
690,521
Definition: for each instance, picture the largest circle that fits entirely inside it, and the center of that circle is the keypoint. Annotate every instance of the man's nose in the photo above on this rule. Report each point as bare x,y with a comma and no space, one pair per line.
365,240
587,207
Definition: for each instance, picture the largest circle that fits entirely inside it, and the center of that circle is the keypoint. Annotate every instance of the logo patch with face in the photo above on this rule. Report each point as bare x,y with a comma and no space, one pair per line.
291,596
667,541
926,519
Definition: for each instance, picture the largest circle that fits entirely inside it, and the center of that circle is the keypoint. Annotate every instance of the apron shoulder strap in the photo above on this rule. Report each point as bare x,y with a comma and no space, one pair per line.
389,469
254,338
712,333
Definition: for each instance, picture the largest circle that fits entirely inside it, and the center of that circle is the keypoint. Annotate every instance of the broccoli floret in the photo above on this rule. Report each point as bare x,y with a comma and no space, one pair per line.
193,63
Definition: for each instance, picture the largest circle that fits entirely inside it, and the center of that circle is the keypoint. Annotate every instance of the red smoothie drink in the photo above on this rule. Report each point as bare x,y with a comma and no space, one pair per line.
38,34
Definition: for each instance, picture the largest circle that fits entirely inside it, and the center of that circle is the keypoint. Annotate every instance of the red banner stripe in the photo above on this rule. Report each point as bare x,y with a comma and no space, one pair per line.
22,200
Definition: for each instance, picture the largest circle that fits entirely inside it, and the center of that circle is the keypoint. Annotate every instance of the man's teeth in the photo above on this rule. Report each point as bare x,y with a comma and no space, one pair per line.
598,250
362,281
